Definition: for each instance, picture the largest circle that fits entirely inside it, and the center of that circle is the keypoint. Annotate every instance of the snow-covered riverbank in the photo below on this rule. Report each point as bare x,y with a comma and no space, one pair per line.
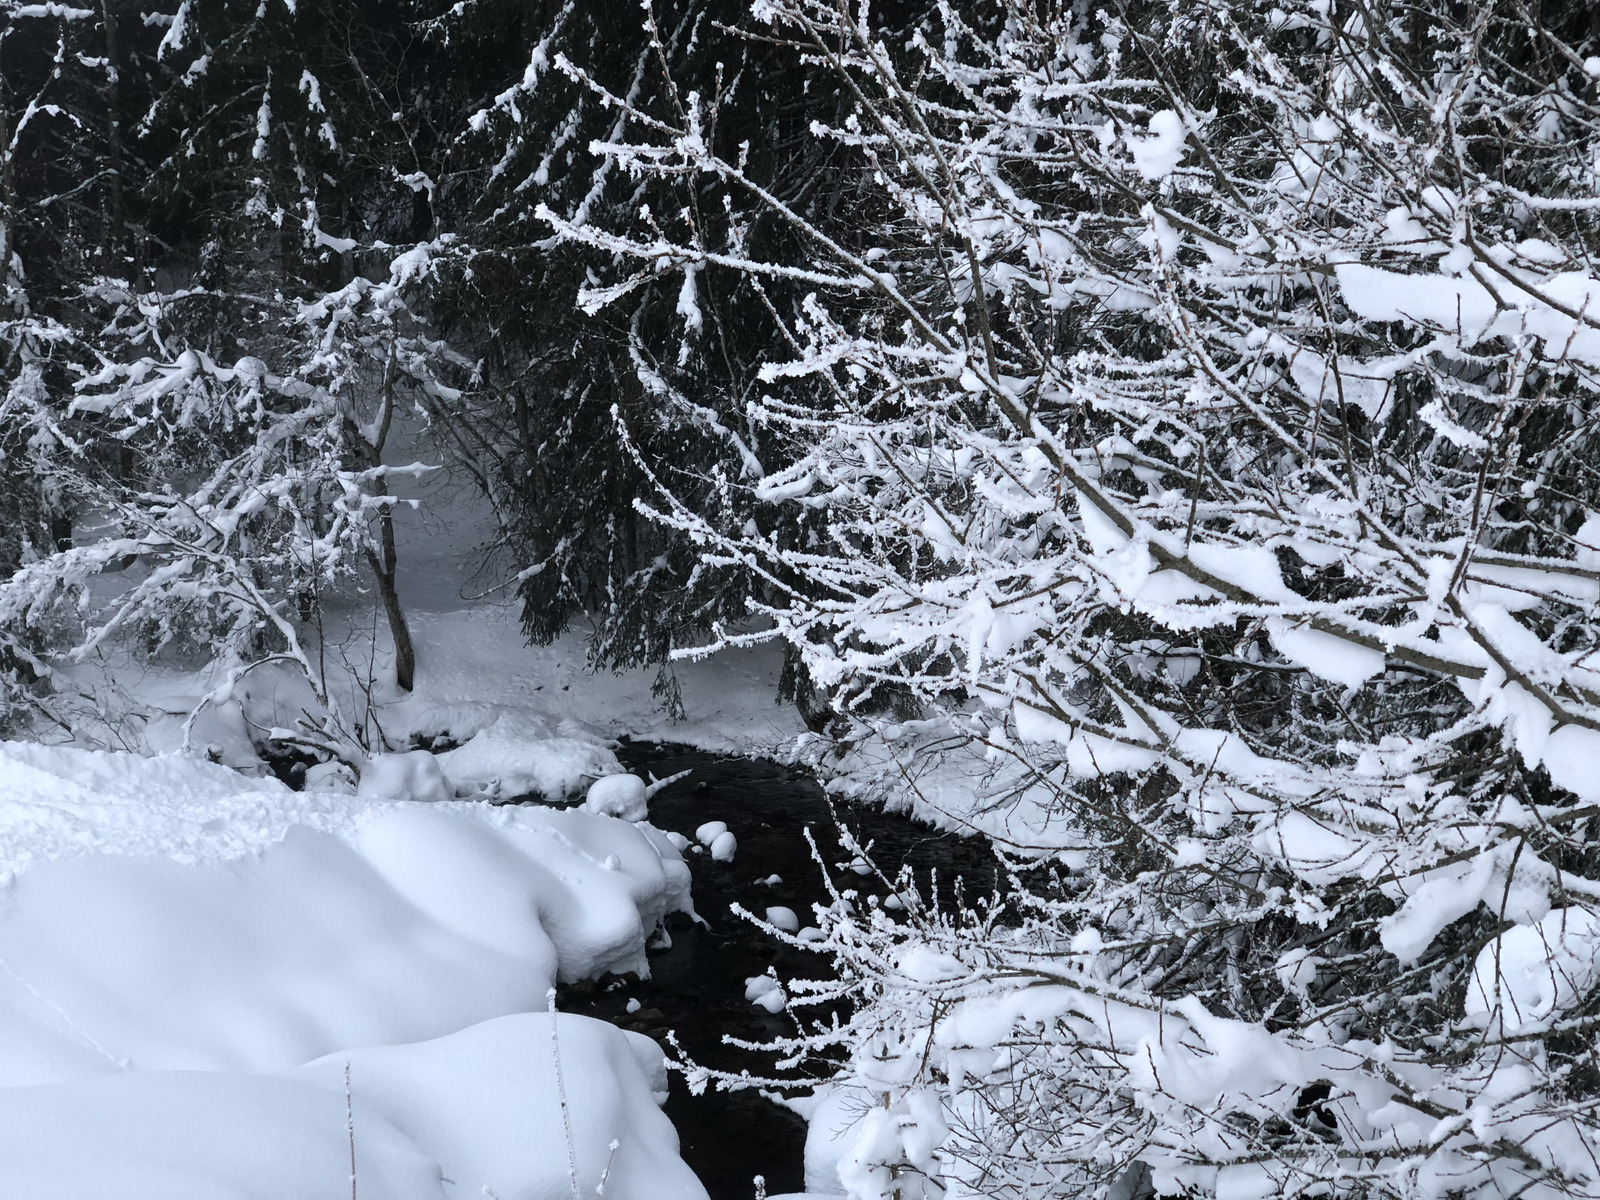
191,952
189,958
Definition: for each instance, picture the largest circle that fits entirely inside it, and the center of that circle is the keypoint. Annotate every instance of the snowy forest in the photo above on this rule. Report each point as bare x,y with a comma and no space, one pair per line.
1151,444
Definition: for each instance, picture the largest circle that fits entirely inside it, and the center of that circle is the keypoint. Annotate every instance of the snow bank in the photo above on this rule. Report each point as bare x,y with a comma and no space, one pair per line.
176,940
407,923
518,755
486,1103
442,1118
56,802
196,1136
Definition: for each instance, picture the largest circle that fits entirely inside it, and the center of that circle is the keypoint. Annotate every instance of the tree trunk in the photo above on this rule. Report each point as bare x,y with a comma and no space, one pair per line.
117,242
383,566
405,654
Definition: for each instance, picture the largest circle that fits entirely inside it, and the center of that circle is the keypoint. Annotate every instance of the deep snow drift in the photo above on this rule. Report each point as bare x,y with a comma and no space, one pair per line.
179,942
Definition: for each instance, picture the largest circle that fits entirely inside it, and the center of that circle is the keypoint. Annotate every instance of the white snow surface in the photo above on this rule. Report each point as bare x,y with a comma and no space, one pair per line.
414,775
474,667
520,755
1530,973
623,796
56,802
178,941
526,719
439,1119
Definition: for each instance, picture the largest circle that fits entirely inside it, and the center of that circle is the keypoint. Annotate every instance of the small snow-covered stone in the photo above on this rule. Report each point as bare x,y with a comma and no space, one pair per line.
622,796
679,842
771,880
783,918
892,902
812,934
765,992
415,775
710,832
633,1005
723,846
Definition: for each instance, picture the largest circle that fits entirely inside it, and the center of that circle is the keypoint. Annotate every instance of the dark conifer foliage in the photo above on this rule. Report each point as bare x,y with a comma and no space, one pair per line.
580,411
240,161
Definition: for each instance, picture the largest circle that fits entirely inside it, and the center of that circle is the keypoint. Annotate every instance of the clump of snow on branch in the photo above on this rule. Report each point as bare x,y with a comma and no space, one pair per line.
1202,432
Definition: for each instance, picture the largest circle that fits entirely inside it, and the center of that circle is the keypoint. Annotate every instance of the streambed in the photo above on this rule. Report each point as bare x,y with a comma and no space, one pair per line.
697,988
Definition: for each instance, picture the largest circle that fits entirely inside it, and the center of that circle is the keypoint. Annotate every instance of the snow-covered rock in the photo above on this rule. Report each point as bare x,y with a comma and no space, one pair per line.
622,796
710,832
765,992
414,775
715,837
332,776
783,918
517,755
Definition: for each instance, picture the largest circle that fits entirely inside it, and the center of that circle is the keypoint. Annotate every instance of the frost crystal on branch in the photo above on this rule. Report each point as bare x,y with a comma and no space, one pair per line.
1194,417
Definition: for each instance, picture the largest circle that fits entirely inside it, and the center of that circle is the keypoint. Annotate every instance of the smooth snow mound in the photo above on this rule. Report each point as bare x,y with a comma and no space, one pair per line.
414,775
437,1119
176,940
485,1103
518,755
622,796
418,922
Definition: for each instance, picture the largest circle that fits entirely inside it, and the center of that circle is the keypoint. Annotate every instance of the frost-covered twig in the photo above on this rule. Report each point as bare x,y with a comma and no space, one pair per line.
561,1094
1195,452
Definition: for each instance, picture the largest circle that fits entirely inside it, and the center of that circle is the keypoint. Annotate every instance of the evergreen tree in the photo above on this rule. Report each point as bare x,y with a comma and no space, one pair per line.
581,409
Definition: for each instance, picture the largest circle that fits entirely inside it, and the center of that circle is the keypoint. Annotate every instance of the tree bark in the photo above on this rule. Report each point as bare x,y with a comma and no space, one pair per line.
117,242
383,565
405,654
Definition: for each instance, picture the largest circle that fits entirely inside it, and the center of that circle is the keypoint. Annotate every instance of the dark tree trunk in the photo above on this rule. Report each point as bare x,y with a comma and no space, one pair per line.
383,561
117,242
405,654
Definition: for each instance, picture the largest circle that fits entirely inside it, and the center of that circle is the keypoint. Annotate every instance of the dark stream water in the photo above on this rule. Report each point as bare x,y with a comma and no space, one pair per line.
697,986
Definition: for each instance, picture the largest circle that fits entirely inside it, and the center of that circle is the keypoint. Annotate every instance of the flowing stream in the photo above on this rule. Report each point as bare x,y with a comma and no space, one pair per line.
697,986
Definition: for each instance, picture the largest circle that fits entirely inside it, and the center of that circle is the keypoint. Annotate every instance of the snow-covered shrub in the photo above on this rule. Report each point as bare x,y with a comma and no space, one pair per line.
1200,409
208,314
225,499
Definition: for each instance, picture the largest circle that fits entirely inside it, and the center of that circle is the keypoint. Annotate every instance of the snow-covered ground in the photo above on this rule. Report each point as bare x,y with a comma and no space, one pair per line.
474,670
473,664
193,956
190,958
